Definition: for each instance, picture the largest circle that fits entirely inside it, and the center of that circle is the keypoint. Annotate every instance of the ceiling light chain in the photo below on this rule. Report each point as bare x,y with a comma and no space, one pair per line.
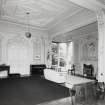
28,34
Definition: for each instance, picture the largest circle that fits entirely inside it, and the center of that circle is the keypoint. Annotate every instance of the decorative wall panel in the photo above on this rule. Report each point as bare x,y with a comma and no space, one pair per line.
90,49
18,55
37,48
87,52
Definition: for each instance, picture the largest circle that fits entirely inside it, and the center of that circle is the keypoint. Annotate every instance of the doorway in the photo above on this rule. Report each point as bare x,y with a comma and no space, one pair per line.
18,56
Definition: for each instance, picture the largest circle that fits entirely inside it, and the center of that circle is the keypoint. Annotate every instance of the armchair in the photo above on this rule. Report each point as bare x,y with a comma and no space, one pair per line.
72,70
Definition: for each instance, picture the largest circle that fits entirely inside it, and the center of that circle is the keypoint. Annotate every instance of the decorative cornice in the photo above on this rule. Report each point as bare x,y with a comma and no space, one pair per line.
24,25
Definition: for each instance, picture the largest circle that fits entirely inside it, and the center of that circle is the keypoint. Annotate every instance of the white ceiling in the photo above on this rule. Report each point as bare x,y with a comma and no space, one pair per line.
42,12
51,15
89,29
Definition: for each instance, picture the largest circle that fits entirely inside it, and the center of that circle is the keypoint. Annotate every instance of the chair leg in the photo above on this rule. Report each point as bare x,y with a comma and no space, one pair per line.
100,90
72,96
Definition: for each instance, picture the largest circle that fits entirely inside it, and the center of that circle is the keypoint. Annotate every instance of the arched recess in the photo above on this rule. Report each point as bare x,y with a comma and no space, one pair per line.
18,53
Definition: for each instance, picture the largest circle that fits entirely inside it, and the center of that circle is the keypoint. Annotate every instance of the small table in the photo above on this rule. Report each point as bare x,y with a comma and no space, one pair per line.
73,81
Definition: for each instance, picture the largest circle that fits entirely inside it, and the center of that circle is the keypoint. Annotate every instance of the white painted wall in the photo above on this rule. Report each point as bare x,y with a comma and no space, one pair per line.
89,58
80,38
18,51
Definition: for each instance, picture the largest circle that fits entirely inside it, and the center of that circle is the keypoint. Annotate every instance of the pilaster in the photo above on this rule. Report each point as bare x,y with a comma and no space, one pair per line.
101,45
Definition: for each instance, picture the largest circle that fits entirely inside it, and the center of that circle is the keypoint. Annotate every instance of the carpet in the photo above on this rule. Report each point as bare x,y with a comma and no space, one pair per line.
30,91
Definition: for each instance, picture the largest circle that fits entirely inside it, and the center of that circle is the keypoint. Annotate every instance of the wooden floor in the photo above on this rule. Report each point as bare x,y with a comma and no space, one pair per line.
67,101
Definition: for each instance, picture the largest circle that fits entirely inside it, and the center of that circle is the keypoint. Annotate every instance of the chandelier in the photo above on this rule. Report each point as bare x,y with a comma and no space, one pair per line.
28,34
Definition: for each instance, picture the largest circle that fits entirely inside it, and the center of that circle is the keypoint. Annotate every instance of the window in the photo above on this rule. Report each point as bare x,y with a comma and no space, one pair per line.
62,54
54,53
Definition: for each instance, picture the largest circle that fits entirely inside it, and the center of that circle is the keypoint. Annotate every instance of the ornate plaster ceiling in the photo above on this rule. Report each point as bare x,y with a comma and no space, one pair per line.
42,12
55,16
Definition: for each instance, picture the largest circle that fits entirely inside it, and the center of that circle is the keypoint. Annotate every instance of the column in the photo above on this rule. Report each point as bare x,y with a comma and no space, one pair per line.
49,54
101,45
67,56
58,55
